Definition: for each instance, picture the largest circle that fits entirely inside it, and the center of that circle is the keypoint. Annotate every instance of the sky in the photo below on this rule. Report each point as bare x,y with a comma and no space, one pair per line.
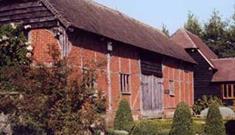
172,13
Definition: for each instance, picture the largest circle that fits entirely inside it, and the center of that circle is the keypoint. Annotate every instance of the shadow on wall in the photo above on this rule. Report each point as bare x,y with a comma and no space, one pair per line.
230,127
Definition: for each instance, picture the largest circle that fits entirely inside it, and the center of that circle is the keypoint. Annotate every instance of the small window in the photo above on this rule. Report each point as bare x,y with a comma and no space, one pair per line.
124,83
228,91
171,88
90,79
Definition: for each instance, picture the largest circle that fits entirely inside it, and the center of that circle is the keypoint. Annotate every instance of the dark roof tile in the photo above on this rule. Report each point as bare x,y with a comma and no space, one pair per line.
226,68
188,40
93,17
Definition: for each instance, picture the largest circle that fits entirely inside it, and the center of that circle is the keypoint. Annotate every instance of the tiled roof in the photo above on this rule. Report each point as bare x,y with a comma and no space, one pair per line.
226,70
93,17
187,40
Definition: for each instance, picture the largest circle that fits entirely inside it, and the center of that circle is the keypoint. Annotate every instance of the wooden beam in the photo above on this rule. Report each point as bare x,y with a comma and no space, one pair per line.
222,91
20,6
23,11
26,16
29,21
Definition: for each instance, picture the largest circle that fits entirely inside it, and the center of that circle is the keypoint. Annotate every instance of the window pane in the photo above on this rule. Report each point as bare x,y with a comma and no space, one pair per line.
124,83
225,91
229,90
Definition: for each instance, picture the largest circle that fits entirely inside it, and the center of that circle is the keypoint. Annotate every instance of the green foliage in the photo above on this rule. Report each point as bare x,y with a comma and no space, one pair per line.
182,122
27,129
204,102
214,122
12,46
152,127
218,34
53,102
123,119
198,126
146,127
49,98
193,25
162,127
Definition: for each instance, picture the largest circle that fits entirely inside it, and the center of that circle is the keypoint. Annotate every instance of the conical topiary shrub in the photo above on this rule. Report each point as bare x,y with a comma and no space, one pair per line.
182,122
214,121
123,119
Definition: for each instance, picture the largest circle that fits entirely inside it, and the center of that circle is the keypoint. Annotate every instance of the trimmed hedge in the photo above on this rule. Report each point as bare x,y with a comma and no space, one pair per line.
123,119
162,127
214,122
115,132
182,121
146,127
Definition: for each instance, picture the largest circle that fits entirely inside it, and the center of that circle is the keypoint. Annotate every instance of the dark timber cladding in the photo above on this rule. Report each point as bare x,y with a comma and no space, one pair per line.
151,64
32,12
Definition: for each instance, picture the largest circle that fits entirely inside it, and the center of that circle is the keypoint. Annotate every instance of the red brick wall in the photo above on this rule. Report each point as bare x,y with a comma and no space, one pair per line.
90,49
125,60
43,41
183,85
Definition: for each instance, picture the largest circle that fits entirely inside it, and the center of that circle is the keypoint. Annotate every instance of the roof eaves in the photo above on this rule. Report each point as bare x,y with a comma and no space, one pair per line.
64,21
208,61
186,35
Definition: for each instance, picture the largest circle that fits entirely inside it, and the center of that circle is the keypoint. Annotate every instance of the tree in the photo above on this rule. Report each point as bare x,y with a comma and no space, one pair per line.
165,30
123,119
182,121
13,46
214,121
216,36
204,102
231,30
49,98
193,25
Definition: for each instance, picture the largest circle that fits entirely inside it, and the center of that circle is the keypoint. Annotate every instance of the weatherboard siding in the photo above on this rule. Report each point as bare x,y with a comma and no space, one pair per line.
203,76
33,13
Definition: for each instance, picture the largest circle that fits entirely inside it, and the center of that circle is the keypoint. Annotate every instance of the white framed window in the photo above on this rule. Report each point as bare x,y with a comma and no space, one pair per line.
124,83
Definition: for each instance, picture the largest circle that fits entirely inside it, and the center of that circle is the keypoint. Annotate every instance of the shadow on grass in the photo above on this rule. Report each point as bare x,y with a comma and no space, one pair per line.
230,127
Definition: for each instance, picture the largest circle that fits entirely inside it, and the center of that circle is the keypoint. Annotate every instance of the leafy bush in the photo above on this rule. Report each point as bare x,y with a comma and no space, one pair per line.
204,103
13,46
214,122
146,127
182,121
162,127
27,129
198,126
152,127
47,96
123,119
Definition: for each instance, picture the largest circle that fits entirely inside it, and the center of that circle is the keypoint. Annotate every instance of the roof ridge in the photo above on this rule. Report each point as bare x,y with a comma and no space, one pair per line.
54,11
229,58
126,16
185,32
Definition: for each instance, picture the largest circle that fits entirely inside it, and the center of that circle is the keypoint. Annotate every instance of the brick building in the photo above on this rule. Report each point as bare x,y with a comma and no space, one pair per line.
141,63
212,75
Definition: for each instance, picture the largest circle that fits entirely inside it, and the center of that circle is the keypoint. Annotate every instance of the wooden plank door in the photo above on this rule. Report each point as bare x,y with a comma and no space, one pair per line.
152,93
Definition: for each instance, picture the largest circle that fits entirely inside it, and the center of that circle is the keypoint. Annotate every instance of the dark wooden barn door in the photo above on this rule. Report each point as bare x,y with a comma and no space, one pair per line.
152,96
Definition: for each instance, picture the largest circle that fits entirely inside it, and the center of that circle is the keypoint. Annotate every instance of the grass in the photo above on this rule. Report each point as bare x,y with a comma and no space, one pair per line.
163,126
